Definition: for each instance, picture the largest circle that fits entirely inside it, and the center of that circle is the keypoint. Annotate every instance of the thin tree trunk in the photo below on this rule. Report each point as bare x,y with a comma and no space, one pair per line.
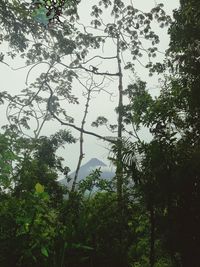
119,169
81,154
152,237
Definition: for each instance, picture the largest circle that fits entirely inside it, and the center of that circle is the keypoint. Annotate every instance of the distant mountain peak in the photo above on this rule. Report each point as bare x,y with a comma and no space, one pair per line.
87,168
94,162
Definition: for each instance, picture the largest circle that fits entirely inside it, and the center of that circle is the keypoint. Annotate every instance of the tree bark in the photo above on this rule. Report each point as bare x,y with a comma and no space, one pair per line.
81,154
119,169
152,237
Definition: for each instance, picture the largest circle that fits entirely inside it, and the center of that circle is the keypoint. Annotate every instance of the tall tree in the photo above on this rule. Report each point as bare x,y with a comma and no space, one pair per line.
169,177
184,48
66,52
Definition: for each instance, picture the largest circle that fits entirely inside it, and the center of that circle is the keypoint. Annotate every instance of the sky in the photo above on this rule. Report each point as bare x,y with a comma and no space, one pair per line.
101,104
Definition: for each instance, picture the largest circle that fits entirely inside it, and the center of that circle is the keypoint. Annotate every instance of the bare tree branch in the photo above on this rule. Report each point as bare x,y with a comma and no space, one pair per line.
81,155
114,57
70,124
88,70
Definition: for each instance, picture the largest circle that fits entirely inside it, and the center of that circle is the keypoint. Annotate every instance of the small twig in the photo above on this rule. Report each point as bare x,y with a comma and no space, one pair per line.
114,57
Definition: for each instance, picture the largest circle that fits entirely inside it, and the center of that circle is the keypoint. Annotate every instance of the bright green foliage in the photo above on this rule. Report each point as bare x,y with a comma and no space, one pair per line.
27,229
29,219
39,188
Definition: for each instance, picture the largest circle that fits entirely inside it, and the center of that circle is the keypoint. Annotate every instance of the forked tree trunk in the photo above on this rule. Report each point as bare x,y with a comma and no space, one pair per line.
81,154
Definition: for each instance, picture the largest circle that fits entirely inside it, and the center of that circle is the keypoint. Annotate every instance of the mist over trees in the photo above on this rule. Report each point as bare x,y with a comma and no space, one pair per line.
149,213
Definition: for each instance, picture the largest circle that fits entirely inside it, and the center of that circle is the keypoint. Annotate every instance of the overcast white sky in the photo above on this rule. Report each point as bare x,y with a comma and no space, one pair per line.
14,81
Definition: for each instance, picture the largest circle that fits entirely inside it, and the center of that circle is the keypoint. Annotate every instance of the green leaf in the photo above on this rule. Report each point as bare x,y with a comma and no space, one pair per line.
80,246
44,252
39,188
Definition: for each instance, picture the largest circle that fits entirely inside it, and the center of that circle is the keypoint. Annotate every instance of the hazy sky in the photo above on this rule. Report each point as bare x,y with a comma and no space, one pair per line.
14,81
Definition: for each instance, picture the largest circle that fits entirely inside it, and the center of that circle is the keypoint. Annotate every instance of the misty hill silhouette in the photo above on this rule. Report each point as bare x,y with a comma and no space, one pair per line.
87,168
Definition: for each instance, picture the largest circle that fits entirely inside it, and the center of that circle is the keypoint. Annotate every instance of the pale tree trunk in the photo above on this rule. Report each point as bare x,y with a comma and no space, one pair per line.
81,154
119,169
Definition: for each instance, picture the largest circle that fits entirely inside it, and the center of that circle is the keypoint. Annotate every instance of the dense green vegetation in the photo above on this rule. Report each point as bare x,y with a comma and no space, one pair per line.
149,214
